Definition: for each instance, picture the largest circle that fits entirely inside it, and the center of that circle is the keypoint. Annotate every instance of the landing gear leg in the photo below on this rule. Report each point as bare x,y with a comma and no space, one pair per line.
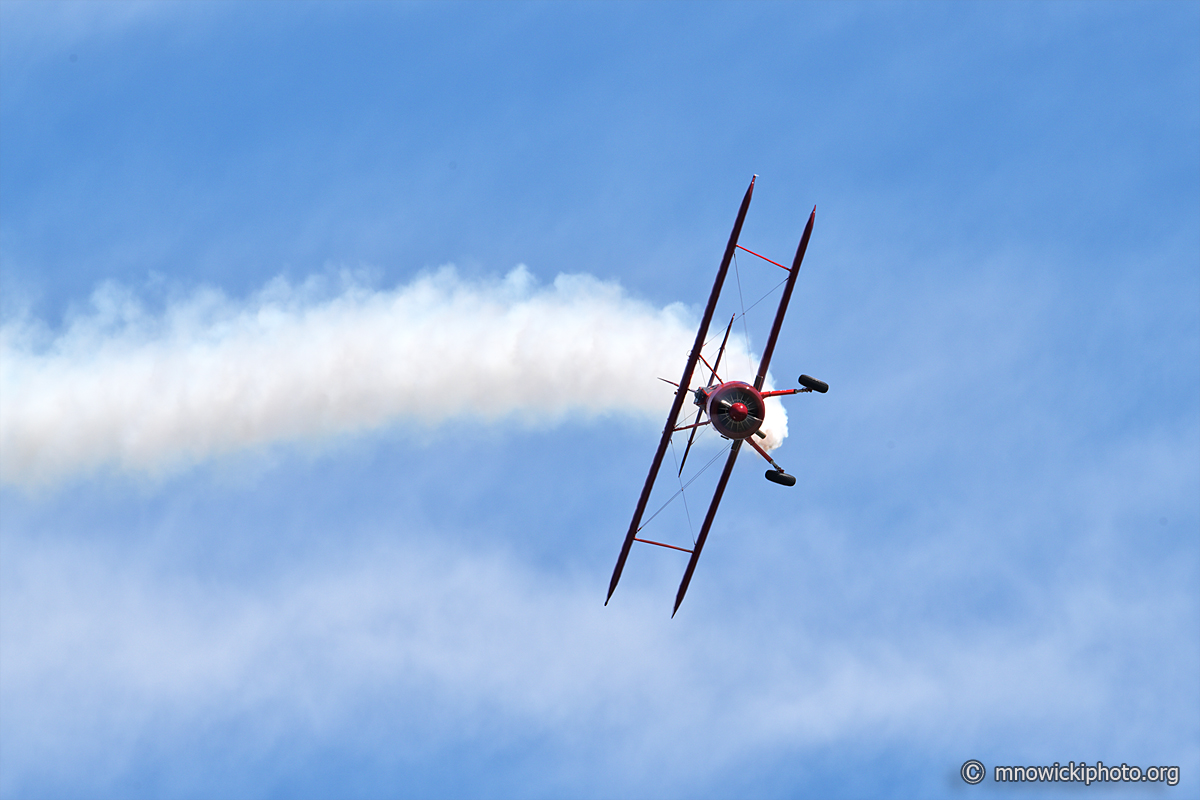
776,475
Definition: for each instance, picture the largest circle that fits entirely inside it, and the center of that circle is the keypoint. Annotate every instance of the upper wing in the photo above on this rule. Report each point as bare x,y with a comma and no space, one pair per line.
682,392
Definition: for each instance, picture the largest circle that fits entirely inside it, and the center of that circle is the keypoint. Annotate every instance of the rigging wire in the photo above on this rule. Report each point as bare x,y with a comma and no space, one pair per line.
689,483
750,308
745,327
685,505
765,296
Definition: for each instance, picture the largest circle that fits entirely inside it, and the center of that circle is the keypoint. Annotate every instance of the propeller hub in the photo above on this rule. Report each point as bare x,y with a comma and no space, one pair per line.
738,412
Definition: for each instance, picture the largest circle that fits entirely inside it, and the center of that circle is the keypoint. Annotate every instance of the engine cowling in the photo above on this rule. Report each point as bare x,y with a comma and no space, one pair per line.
736,409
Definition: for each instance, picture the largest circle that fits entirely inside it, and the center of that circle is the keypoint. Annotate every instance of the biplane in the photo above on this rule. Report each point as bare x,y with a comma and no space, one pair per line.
734,409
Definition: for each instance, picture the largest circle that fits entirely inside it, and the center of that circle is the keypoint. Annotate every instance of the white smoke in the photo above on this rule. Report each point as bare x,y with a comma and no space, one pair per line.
124,388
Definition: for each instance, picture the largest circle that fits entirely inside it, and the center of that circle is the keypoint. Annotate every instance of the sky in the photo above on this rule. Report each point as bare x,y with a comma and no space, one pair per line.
329,337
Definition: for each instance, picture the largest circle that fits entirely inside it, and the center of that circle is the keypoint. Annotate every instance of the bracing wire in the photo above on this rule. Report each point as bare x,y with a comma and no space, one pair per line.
742,302
689,483
748,309
765,296
685,505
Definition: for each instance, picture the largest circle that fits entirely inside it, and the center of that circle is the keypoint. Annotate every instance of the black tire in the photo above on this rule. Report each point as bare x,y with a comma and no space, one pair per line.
780,477
809,382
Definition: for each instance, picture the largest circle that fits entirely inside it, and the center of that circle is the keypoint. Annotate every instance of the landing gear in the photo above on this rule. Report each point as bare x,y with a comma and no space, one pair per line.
776,475
781,477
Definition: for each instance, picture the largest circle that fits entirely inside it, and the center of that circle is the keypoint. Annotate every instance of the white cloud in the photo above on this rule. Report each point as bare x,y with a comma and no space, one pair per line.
104,655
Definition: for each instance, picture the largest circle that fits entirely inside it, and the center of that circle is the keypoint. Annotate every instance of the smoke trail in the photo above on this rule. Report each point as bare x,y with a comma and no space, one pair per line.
121,387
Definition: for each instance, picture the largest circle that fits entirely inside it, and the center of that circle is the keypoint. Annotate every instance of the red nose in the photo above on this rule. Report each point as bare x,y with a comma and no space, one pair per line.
738,412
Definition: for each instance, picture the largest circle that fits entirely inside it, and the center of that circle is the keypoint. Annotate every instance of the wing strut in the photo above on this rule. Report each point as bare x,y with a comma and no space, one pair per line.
682,392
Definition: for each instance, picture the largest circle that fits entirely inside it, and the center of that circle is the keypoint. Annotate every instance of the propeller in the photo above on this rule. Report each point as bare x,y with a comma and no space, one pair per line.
726,406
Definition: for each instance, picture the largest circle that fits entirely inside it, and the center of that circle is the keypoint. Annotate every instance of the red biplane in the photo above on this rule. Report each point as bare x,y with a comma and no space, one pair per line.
735,409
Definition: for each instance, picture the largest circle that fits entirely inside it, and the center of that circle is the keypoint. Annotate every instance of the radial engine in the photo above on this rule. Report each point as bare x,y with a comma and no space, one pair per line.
735,409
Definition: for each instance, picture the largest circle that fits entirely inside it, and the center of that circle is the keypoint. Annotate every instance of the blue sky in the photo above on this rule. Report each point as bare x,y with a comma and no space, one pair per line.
256,541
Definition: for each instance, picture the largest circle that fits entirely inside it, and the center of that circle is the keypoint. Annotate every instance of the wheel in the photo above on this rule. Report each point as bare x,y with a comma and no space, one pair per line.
809,382
780,477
